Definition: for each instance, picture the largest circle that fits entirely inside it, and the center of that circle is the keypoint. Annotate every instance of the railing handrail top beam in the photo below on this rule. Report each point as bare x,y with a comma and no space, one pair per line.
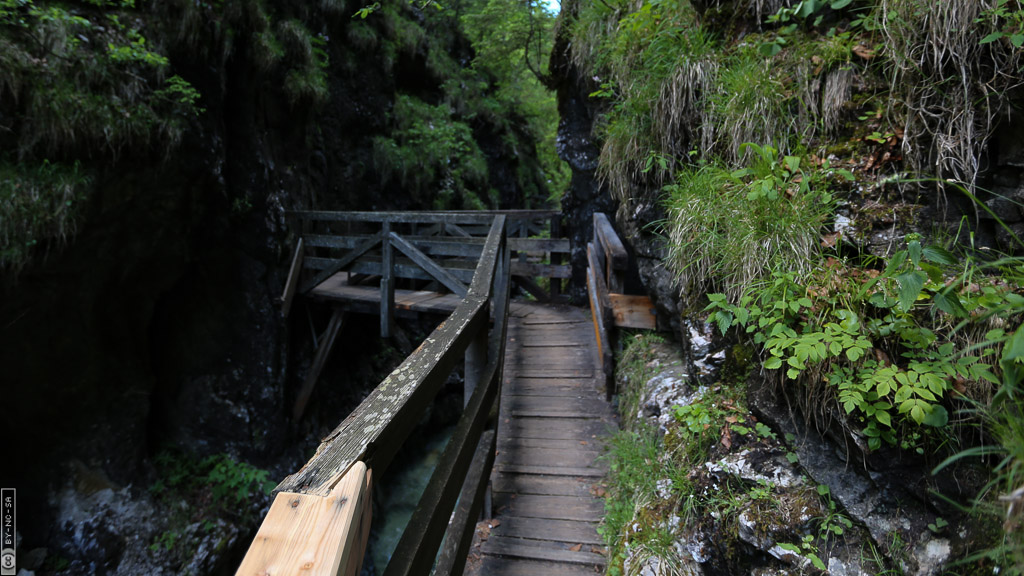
421,217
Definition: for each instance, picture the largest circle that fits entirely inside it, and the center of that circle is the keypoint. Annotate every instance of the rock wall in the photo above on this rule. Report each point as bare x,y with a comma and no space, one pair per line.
887,493
158,324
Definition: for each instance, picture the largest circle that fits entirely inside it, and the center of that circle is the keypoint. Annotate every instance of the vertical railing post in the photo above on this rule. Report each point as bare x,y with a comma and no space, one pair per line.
556,257
524,232
387,282
476,361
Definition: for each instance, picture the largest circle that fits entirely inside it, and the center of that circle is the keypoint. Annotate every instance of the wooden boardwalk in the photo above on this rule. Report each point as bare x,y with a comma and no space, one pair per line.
554,420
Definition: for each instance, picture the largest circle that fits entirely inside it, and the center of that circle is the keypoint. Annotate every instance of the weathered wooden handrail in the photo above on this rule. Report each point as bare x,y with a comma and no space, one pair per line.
610,252
309,528
607,265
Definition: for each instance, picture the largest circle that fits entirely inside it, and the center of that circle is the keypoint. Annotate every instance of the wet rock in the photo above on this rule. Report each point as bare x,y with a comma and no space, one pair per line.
1004,205
107,532
779,506
759,466
33,559
678,561
840,567
1006,240
895,516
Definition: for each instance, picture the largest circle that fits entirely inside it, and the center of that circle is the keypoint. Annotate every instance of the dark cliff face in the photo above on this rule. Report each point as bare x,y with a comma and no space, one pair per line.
888,489
578,146
158,323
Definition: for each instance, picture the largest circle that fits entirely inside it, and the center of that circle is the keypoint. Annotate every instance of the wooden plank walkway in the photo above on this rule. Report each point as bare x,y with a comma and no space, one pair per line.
367,298
554,420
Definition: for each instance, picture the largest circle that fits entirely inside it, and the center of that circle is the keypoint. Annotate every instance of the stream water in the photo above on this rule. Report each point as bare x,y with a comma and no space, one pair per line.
401,489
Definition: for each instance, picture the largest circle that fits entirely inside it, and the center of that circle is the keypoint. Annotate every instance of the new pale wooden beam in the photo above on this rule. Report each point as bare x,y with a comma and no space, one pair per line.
311,535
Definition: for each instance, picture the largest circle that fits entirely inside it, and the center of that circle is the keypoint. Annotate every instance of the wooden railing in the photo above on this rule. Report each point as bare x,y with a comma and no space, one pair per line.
440,248
319,521
610,306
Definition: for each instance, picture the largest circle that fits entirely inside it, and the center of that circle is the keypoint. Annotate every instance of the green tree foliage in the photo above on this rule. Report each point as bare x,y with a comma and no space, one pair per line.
511,41
492,100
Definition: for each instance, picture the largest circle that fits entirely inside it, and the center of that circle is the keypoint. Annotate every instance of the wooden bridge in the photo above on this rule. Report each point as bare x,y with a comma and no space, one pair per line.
523,454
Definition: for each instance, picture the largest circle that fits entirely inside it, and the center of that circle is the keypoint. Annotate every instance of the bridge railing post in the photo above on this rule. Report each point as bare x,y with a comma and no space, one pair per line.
387,282
556,257
476,361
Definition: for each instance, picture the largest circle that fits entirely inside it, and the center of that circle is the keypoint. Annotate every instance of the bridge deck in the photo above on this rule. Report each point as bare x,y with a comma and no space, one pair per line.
553,424
367,298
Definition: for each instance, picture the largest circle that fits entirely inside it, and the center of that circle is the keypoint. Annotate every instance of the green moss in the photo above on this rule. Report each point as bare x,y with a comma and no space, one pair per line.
362,36
39,207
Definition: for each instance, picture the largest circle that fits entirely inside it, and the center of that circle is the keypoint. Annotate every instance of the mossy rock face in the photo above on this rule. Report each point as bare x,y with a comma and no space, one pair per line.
722,492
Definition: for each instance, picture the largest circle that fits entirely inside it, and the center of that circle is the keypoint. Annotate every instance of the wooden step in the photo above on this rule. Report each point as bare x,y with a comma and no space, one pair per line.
535,550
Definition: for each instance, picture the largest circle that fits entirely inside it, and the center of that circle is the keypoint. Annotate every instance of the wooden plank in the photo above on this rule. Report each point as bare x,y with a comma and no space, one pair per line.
617,259
533,341
431,267
552,321
428,302
528,427
542,270
553,366
443,304
559,256
585,405
600,308
460,217
354,565
454,230
573,531
332,241
513,468
452,559
593,445
551,372
548,391
551,507
575,355
633,311
338,265
315,535
292,284
424,217
409,300
519,548
557,245
387,282
549,457
322,352
469,246
546,485
402,268
544,413
497,566
585,384
423,535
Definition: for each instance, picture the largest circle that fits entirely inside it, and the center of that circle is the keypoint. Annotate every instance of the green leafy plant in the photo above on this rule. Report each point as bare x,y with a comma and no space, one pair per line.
806,549
165,541
1010,22
230,483
871,338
